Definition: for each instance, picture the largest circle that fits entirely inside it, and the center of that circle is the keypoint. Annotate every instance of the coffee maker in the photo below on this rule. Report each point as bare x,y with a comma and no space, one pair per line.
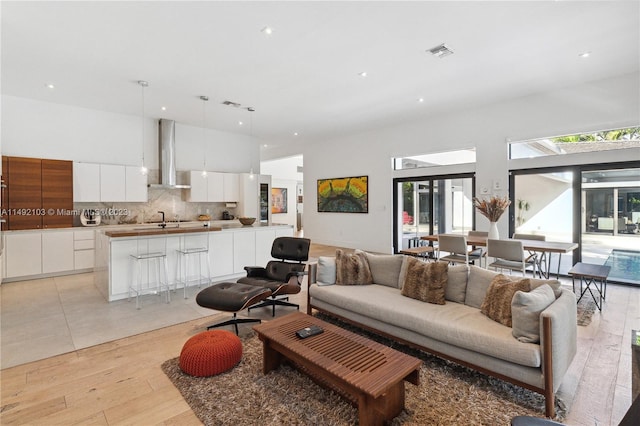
226,215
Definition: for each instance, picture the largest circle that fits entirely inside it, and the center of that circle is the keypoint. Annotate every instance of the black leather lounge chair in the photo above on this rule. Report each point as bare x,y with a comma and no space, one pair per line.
282,276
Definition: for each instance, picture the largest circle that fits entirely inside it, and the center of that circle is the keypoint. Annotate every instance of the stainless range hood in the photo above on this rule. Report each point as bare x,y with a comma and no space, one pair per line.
167,144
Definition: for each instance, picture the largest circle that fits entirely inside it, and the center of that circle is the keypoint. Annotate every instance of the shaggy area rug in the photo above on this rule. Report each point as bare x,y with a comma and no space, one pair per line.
586,308
448,394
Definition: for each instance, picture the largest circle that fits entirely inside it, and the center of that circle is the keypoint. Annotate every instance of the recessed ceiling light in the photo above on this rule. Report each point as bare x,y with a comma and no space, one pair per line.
584,54
267,30
421,100
295,133
440,51
164,108
240,123
362,74
50,86
265,145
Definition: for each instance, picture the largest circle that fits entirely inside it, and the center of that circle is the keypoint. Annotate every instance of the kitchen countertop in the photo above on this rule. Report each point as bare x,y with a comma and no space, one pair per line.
140,232
188,227
192,226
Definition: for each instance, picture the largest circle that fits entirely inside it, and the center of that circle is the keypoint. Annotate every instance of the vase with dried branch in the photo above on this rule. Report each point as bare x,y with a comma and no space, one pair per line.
492,209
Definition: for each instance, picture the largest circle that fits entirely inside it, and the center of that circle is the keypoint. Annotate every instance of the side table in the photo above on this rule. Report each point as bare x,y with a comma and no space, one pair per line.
591,275
422,252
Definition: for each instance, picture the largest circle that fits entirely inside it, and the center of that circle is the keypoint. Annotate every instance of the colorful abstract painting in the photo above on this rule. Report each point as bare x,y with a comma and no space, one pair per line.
344,195
278,200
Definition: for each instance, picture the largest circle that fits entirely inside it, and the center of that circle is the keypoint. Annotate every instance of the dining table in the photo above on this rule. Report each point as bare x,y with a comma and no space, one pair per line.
549,247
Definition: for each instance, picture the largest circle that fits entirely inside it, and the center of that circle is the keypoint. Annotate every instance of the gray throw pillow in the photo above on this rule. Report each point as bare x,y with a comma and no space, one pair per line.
525,311
326,270
554,284
477,285
457,283
385,268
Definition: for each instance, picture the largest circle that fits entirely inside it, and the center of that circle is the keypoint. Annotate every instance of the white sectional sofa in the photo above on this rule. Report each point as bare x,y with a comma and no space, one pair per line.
458,330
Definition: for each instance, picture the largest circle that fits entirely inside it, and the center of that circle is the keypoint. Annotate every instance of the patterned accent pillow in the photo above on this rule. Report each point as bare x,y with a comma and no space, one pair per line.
425,281
497,301
352,269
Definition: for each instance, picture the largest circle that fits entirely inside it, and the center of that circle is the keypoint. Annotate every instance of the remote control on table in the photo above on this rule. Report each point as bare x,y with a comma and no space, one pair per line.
312,330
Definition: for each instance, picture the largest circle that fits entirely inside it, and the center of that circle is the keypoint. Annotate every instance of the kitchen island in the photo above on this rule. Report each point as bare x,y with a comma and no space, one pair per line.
232,246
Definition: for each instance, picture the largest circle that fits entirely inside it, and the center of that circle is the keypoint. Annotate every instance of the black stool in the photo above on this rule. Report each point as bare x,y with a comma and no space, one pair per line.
232,297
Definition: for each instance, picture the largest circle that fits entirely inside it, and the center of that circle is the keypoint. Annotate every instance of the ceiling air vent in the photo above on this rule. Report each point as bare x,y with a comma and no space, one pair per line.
440,51
233,104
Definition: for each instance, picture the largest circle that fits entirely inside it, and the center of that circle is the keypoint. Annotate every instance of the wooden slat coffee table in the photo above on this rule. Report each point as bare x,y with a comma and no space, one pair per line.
371,375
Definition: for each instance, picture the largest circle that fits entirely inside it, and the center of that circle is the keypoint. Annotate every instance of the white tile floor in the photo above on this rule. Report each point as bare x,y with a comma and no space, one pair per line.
51,316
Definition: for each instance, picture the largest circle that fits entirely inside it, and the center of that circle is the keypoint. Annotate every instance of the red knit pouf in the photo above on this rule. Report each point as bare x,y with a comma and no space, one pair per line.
210,353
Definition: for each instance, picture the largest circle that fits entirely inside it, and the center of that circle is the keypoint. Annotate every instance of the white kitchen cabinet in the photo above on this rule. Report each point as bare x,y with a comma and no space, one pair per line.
112,182
231,183
215,192
244,250
83,249
57,251
221,254
264,241
199,187
86,182
214,188
135,185
23,253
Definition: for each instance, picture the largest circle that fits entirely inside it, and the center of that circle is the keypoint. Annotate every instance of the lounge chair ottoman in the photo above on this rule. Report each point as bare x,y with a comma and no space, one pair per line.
232,297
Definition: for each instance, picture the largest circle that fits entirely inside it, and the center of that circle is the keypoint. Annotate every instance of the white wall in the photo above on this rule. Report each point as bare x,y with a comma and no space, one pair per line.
48,130
599,105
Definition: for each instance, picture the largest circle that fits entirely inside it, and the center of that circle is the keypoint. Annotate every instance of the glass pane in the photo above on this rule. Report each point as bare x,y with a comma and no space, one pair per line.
454,206
589,142
544,205
611,222
446,158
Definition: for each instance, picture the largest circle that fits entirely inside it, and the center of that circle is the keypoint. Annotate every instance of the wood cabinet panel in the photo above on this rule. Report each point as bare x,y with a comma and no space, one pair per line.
57,193
24,180
5,193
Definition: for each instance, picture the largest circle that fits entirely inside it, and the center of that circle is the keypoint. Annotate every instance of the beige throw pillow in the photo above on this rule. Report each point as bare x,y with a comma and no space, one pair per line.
352,269
326,270
497,301
526,309
425,281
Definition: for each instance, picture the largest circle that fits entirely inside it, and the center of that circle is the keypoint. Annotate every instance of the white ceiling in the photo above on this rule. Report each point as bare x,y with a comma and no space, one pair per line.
304,77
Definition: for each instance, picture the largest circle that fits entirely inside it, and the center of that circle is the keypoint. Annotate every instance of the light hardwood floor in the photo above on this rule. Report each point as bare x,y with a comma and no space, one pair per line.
120,382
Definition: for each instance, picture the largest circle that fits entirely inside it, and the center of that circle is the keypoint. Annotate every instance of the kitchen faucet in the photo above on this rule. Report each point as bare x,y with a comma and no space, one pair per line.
163,224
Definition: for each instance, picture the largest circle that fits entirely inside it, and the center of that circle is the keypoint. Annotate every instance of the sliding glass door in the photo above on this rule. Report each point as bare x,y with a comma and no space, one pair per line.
596,206
431,205
543,203
610,222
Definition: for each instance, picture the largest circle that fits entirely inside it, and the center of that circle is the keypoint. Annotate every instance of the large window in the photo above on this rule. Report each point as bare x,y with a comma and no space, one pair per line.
431,205
571,144
446,158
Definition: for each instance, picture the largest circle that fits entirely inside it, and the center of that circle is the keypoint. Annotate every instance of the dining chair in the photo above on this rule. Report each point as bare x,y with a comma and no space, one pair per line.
479,251
507,254
535,259
457,247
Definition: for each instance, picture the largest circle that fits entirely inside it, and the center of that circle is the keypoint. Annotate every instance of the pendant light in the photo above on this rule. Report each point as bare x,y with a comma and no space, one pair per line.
250,109
204,140
143,169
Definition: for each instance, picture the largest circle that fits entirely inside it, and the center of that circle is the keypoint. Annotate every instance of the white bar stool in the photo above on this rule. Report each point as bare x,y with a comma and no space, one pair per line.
151,252
193,247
